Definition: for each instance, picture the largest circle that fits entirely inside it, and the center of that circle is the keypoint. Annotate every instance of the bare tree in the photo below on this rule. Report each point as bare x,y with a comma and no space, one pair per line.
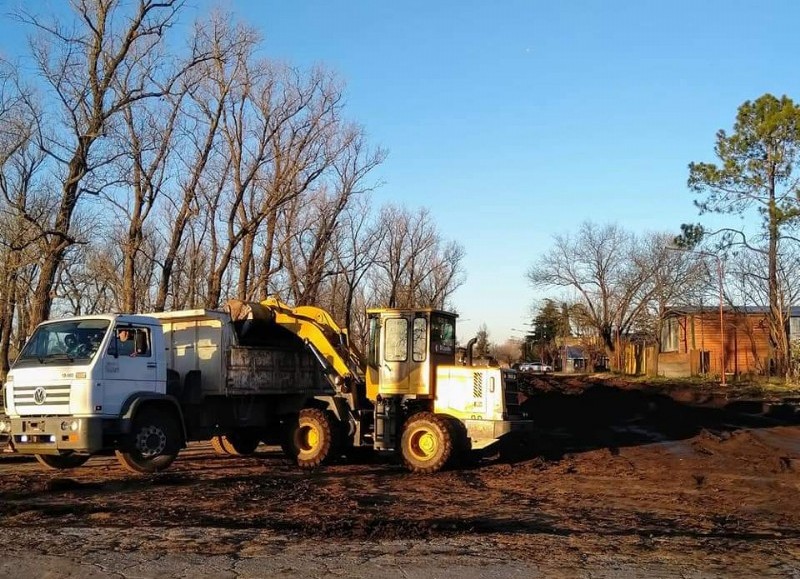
413,268
277,140
359,241
312,229
509,352
208,87
83,67
146,140
747,278
610,270
26,202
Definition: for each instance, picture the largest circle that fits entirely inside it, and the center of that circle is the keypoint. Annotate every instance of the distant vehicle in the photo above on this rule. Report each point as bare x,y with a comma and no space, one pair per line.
535,368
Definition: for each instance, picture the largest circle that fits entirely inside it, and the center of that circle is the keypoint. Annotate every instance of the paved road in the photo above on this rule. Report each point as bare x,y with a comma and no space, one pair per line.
133,553
99,553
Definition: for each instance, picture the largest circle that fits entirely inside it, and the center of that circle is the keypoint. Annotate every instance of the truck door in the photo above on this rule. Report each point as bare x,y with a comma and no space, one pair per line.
129,365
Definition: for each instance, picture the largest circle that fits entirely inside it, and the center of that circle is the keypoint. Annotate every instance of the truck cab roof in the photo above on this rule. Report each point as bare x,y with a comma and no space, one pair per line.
145,319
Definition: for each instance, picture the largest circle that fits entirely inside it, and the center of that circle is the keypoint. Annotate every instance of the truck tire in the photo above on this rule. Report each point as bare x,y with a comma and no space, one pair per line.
240,443
427,443
154,443
62,461
220,445
312,443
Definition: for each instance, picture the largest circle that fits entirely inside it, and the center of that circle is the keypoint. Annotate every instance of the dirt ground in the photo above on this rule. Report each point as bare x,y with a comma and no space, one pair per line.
648,479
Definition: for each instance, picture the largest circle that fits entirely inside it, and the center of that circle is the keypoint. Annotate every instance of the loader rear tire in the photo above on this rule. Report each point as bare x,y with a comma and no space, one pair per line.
312,439
62,461
154,444
462,448
427,443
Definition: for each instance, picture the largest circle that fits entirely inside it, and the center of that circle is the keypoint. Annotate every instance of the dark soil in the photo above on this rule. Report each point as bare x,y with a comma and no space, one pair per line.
614,468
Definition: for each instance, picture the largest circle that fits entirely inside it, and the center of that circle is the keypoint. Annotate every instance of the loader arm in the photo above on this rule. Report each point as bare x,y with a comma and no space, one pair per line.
317,328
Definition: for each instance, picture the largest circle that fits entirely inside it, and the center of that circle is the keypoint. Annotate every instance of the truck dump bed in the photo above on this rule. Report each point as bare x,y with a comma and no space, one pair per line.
237,358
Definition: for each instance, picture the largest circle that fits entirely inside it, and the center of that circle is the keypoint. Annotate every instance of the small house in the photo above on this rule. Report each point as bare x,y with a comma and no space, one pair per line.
695,342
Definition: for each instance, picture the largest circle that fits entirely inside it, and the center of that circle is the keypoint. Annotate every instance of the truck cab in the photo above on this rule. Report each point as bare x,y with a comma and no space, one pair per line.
74,387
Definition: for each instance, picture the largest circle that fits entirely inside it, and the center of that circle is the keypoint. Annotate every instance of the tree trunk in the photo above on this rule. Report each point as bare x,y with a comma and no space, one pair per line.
245,267
42,298
777,333
9,305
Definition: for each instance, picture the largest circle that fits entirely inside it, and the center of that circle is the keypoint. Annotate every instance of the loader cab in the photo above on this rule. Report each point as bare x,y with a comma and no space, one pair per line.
405,348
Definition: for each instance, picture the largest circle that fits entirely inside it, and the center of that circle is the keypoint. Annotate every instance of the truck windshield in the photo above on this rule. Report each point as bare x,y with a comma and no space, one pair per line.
70,340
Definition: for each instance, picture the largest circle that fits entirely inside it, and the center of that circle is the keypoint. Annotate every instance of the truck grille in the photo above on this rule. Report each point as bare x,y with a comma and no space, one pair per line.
42,395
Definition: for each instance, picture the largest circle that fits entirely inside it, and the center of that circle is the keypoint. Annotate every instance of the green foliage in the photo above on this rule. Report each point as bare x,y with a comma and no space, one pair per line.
756,163
550,323
690,237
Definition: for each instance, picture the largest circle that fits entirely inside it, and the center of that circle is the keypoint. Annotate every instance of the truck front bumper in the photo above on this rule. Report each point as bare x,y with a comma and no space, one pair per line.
56,434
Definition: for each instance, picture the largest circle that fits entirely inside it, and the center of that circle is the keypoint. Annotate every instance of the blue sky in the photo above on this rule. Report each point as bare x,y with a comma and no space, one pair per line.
515,121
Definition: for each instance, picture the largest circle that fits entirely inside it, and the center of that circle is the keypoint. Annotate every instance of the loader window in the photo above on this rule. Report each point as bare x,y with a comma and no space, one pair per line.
395,348
374,341
420,344
443,335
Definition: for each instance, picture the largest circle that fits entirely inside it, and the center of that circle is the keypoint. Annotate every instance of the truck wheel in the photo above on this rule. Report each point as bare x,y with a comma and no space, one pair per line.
62,461
287,436
240,443
154,443
312,438
427,443
220,445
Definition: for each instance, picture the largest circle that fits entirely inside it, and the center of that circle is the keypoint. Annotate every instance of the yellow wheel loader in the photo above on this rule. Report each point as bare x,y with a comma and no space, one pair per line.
407,394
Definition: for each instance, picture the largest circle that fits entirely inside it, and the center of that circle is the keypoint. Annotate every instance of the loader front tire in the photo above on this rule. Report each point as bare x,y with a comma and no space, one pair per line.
427,443
312,438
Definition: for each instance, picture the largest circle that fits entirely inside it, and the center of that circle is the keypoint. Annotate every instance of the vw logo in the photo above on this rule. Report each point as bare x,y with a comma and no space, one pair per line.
40,395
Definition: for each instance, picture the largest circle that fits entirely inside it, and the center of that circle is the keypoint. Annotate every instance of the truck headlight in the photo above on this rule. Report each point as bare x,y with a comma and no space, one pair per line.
72,425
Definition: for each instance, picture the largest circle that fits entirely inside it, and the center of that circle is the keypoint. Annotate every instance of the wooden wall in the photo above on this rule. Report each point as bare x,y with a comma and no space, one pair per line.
746,344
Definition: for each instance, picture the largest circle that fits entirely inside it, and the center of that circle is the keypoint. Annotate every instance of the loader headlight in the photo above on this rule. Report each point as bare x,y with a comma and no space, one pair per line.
5,425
